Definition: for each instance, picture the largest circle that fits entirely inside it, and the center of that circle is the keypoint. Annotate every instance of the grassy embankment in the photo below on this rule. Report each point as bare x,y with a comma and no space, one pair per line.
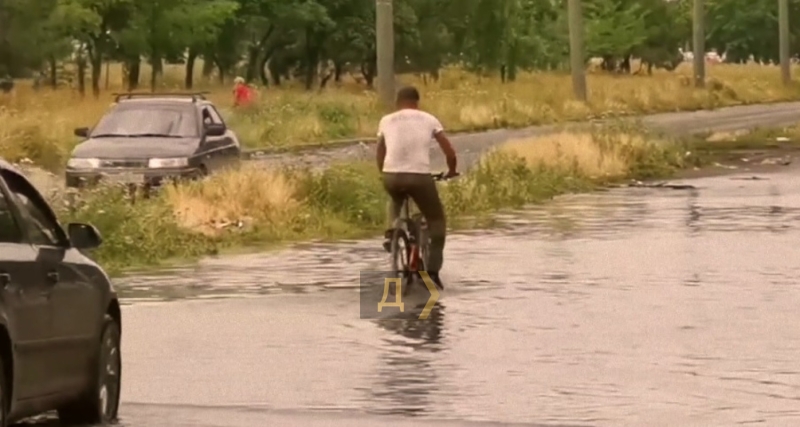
256,207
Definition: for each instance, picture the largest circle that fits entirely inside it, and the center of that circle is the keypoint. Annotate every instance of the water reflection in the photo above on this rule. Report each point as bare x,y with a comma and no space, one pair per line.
407,376
693,219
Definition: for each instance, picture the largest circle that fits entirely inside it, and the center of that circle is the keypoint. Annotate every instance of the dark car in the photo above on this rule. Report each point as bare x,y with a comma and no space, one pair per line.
145,139
60,321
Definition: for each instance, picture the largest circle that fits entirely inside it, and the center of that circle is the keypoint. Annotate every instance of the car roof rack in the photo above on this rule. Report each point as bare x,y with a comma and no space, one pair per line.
130,95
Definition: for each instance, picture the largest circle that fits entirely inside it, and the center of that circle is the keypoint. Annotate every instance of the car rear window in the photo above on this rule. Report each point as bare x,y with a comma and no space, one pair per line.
148,120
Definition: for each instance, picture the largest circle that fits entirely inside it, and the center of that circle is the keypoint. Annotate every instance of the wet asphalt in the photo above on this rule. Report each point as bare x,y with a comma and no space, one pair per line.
631,307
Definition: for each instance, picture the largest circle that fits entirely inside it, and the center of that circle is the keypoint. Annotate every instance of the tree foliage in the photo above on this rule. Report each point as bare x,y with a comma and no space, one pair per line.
318,40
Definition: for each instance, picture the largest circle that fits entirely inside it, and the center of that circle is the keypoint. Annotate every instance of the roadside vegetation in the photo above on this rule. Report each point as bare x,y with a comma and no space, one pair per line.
39,125
314,63
257,207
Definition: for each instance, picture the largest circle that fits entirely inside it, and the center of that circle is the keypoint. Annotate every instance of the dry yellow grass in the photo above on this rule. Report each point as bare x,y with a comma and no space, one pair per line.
39,125
247,195
577,151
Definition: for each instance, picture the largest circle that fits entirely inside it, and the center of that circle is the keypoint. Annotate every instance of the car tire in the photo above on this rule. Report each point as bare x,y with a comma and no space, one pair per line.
100,404
5,401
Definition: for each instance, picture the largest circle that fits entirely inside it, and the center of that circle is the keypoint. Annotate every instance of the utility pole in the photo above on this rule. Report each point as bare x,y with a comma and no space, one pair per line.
783,37
577,62
384,44
699,36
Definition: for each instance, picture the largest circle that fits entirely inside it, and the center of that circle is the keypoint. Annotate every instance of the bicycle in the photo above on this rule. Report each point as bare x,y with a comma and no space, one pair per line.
409,243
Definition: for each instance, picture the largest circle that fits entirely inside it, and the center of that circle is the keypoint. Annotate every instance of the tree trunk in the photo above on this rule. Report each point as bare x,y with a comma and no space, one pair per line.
134,71
262,72
108,73
155,65
96,58
265,60
81,74
208,66
53,64
337,71
188,81
312,58
368,70
252,63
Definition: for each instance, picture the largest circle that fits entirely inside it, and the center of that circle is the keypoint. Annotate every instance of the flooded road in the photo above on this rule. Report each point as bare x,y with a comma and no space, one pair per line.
632,307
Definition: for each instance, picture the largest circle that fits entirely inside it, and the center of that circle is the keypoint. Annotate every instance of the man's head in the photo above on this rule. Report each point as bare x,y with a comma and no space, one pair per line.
238,81
408,97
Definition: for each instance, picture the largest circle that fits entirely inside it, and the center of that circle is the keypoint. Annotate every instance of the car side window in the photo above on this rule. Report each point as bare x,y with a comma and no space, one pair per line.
9,229
214,115
38,219
207,120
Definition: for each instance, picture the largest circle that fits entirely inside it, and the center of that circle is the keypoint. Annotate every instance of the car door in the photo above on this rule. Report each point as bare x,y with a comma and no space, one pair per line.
24,297
75,304
223,150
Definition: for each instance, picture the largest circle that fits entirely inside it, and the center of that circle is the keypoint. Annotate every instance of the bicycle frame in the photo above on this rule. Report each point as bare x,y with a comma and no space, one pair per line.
414,225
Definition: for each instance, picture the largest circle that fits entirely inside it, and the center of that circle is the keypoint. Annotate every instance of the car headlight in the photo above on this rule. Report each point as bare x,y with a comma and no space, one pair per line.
83,163
175,162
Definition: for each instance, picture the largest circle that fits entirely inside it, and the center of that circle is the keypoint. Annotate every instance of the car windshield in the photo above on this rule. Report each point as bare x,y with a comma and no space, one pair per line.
147,121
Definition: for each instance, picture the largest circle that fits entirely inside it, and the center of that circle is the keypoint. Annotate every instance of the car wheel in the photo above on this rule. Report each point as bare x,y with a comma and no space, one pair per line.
5,400
100,404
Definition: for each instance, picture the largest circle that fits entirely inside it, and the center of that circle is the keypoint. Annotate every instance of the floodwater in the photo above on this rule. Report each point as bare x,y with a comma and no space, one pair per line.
632,307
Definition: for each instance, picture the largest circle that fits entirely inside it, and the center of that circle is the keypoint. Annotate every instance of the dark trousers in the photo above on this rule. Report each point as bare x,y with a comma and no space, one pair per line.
421,188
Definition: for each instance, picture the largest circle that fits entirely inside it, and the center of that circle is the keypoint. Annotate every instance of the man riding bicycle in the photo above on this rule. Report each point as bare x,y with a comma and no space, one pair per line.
404,153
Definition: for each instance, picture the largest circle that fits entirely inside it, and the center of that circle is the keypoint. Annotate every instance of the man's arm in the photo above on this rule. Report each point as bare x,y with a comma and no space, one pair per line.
380,152
448,150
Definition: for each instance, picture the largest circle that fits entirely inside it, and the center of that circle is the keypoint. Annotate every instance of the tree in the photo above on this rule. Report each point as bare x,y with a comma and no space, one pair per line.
95,24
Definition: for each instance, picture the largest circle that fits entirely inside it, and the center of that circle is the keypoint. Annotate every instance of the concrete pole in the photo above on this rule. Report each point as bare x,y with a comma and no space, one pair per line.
384,44
577,62
783,37
699,36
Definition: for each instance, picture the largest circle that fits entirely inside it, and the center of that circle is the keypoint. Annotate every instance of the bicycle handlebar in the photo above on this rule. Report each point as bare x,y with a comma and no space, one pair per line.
442,176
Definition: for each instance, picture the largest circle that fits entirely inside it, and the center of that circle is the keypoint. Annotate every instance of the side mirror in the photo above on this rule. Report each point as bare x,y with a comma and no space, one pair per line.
82,132
83,236
215,129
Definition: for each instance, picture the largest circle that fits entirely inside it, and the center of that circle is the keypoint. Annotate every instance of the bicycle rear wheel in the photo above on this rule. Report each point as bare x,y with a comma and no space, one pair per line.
400,256
424,245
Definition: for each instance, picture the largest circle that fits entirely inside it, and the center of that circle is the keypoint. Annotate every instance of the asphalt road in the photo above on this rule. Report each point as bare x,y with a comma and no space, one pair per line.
470,147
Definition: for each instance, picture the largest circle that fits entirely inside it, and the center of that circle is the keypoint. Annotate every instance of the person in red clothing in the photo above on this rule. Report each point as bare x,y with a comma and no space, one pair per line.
242,94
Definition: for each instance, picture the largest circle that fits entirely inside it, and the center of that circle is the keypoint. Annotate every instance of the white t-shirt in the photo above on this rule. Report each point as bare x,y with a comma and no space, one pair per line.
408,134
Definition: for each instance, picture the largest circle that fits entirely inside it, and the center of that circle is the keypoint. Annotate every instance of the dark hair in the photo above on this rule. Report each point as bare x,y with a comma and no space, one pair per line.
408,94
